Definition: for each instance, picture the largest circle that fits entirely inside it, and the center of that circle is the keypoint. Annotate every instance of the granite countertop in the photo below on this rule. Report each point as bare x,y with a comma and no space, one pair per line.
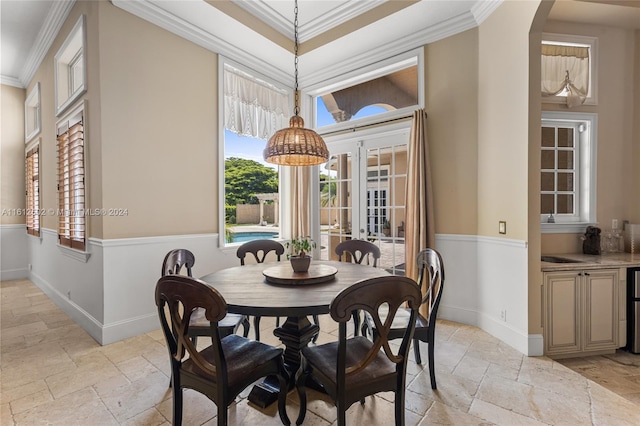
590,261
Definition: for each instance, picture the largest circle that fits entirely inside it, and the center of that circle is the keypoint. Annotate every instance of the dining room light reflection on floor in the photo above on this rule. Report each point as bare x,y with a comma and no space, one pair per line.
54,372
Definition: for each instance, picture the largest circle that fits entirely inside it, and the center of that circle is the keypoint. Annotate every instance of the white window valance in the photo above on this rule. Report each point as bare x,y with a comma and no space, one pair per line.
565,72
253,107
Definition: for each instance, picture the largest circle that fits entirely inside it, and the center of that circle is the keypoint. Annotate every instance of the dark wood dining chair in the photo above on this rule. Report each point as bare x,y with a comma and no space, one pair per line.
431,280
353,368
357,251
173,264
260,249
222,370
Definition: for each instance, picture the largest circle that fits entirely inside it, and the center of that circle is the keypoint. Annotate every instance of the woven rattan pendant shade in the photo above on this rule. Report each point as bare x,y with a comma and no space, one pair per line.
296,146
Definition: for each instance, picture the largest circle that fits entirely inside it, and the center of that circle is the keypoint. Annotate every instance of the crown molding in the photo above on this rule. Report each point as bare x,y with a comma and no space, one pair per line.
47,34
11,81
431,34
482,9
336,16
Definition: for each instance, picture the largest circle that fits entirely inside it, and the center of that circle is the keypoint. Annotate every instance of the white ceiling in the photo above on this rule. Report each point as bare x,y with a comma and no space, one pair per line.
385,27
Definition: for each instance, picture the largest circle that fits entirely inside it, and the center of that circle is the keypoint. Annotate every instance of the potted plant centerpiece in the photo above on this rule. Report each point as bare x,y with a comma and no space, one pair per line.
299,257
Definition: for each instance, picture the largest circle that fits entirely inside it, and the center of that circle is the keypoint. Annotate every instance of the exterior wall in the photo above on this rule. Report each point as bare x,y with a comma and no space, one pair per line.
250,213
616,139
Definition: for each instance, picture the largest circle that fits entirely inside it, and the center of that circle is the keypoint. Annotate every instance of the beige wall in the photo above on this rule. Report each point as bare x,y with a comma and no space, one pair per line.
635,182
451,90
503,111
159,129
617,50
12,153
151,127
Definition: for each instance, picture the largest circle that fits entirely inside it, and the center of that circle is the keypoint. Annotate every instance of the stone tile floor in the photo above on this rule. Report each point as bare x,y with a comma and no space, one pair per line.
54,373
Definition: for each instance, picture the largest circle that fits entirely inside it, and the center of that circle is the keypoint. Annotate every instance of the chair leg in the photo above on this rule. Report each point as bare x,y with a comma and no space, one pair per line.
194,339
416,350
256,327
277,321
177,401
245,326
222,416
432,370
316,321
342,416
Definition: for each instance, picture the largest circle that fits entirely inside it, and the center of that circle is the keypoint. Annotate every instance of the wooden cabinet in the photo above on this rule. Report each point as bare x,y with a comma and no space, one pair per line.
581,312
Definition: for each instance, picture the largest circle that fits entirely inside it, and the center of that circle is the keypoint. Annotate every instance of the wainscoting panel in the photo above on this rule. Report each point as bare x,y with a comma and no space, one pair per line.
13,252
487,286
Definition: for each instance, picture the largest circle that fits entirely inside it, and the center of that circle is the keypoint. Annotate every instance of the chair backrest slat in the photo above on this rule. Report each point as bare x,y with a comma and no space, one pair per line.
259,249
177,259
359,250
431,279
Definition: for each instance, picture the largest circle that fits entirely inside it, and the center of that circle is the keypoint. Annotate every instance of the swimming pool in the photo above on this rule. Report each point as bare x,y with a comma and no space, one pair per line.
241,237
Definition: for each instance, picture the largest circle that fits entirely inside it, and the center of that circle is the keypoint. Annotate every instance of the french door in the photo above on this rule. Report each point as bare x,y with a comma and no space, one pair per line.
362,193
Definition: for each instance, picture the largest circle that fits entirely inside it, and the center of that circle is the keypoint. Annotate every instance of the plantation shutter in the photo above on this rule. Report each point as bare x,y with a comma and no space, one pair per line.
33,191
71,219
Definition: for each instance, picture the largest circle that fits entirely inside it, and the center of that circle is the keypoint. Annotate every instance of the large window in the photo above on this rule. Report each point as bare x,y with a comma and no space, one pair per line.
71,184
567,175
253,109
32,167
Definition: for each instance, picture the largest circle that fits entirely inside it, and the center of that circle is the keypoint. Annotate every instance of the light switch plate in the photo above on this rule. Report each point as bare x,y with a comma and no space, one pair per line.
502,227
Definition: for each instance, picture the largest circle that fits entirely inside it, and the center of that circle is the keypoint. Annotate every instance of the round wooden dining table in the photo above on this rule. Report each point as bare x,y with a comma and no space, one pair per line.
272,289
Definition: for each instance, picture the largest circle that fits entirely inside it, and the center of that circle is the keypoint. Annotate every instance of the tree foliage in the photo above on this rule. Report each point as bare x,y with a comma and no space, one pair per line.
245,178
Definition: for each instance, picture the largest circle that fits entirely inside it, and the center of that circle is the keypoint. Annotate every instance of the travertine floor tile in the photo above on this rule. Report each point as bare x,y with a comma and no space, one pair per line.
52,372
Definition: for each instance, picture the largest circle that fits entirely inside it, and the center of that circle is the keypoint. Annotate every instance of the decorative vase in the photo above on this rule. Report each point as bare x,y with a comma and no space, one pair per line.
300,263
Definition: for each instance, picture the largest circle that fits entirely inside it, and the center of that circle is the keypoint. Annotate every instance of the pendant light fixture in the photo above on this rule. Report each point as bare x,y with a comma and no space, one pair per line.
295,145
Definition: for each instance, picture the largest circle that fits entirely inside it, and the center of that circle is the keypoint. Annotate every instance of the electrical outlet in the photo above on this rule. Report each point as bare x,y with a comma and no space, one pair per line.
503,315
614,224
30,266
69,294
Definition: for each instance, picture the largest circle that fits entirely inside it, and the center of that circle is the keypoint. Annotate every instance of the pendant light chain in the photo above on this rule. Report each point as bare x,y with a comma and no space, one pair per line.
295,145
296,108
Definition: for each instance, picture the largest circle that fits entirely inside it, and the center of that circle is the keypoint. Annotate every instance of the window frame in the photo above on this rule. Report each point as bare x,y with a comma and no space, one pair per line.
73,49
283,217
586,173
73,247
592,43
364,74
32,109
32,193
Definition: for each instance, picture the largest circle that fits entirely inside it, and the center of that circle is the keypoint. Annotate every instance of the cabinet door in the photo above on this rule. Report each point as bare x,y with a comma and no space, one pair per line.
601,309
562,329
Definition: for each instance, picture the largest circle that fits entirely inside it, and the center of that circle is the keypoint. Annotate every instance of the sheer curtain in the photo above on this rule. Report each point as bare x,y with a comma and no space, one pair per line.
253,107
419,221
565,69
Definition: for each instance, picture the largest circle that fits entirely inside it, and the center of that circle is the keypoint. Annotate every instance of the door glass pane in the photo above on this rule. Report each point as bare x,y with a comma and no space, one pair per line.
380,200
335,203
565,137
